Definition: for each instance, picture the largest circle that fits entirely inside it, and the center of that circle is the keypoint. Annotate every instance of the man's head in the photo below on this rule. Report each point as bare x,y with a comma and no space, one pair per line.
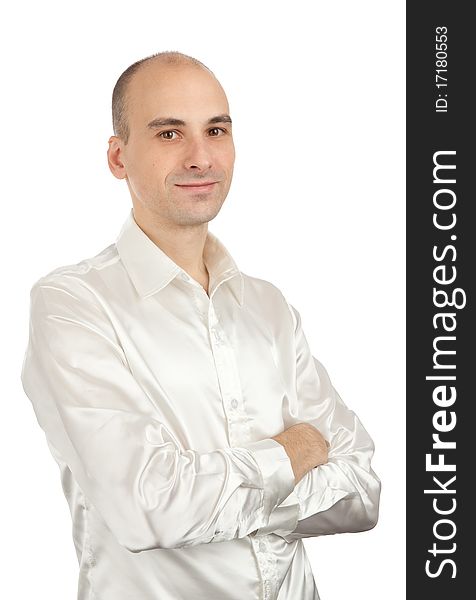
172,128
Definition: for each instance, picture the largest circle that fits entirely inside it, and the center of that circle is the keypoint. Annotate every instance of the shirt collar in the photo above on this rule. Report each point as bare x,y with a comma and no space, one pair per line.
151,269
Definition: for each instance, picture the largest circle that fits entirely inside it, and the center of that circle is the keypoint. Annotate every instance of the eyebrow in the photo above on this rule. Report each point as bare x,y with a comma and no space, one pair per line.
171,121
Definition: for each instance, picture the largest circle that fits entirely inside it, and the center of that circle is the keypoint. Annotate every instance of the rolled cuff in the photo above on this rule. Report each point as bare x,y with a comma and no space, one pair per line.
284,519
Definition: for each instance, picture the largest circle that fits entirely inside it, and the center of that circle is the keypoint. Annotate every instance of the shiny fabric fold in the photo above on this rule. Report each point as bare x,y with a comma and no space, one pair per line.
158,402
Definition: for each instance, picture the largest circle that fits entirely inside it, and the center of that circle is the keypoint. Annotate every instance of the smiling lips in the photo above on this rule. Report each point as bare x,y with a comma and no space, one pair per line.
204,186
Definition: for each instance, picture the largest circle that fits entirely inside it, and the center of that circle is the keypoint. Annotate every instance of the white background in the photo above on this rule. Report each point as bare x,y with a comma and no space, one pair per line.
316,92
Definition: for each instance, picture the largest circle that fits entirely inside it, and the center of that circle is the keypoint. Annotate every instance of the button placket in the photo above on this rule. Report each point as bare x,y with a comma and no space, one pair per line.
267,565
239,432
229,388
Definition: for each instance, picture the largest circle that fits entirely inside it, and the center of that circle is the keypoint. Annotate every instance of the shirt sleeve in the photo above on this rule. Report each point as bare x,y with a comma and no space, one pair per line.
150,491
342,495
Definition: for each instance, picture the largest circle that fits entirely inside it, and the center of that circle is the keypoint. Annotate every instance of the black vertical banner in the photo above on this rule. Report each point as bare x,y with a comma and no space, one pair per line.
441,272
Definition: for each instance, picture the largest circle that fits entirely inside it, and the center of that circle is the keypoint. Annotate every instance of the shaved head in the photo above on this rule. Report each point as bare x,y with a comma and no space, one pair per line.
120,97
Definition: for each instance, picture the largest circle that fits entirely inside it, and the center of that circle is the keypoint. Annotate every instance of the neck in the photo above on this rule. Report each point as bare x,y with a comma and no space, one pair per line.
182,243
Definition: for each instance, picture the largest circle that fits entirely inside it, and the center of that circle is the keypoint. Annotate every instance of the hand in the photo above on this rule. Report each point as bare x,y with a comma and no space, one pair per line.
305,446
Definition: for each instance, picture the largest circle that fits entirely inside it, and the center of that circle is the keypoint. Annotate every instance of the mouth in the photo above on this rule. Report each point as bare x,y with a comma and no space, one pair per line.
203,186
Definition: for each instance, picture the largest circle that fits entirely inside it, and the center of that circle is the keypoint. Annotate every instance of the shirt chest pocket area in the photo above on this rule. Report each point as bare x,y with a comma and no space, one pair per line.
263,386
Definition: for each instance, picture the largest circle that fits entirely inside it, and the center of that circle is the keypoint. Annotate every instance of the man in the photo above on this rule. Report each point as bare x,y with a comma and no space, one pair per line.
198,439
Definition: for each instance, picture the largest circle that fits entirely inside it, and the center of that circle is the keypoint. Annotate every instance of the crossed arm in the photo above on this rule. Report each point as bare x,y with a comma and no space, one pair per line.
106,429
343,494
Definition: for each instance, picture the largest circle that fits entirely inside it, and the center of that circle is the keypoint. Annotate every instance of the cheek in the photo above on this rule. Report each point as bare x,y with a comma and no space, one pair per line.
226,158
160,166
142,164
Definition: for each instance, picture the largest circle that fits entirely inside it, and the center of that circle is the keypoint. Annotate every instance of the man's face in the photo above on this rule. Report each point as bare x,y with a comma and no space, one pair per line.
180,139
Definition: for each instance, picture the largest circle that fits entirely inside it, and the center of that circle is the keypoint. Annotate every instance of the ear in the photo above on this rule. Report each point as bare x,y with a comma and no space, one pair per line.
114,157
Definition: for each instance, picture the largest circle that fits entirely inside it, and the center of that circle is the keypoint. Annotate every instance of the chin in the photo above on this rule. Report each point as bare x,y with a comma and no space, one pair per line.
199,214
197,219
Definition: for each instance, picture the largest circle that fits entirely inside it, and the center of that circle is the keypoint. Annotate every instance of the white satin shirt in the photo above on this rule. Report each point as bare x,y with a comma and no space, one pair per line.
158,402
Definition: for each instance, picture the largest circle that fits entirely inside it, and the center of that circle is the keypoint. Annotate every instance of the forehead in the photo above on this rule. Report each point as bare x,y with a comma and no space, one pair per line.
182,91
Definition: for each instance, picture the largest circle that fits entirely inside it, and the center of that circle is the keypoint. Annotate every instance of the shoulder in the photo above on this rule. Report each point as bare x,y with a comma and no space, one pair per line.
268,296
103,260
87,273
262,287
81,288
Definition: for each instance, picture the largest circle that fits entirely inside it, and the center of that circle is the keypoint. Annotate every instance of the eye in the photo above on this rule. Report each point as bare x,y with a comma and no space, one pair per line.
167,135
215,131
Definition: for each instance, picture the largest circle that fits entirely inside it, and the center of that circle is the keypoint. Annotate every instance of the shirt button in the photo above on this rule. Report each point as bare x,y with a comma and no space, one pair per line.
234,403
184,276
262,547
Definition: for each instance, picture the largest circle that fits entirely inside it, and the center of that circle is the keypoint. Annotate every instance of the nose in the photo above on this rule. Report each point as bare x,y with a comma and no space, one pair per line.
198,155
